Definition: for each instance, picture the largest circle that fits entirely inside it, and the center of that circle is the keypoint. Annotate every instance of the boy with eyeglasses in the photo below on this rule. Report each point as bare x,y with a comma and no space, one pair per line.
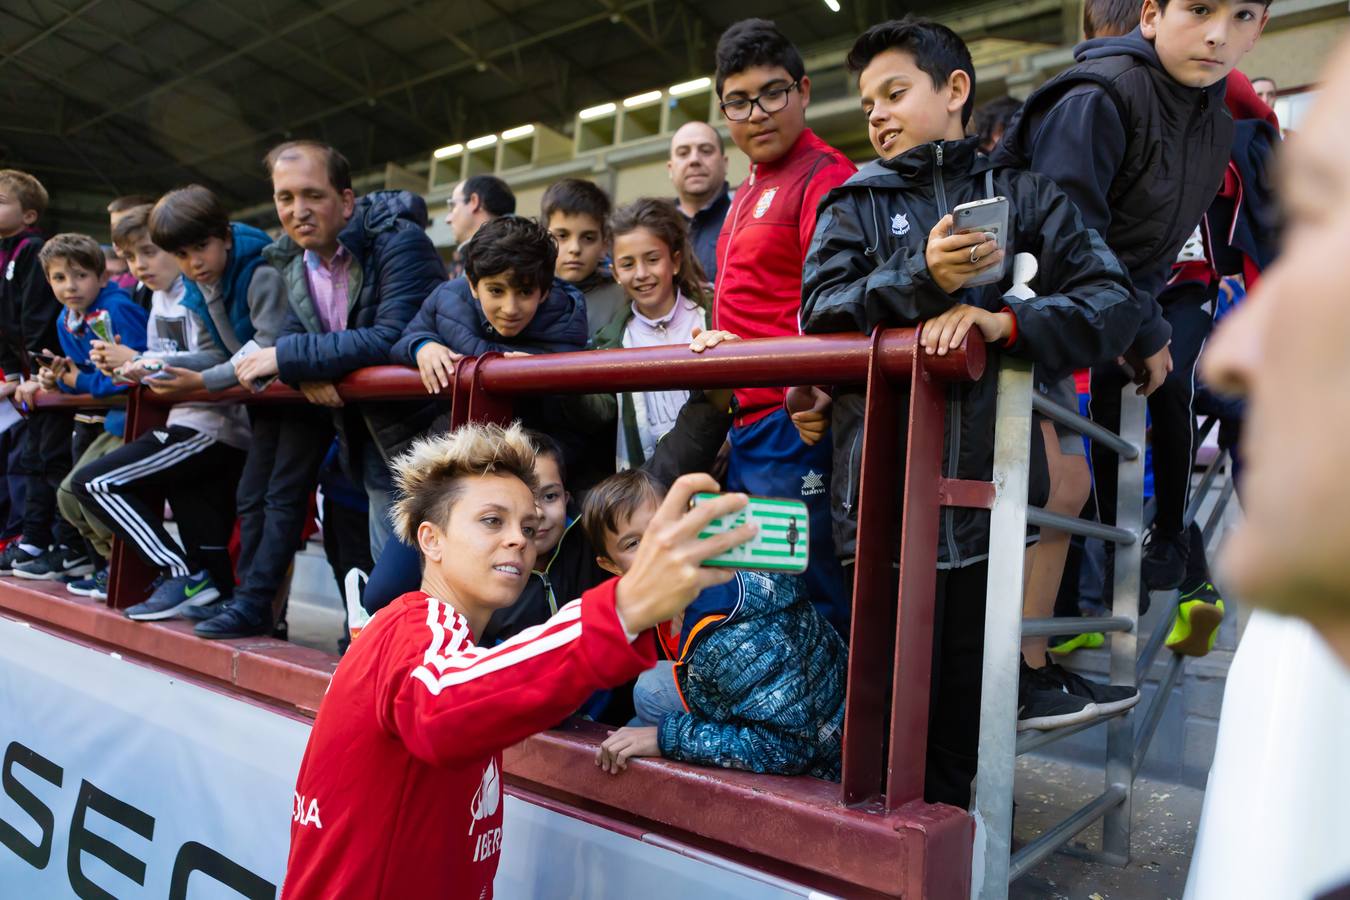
764,90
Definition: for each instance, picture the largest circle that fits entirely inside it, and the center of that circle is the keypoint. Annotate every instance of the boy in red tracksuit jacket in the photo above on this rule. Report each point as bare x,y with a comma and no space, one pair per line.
764,91
400,789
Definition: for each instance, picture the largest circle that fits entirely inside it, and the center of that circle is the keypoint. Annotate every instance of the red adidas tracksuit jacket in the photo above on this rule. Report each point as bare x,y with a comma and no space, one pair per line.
400,790
762,246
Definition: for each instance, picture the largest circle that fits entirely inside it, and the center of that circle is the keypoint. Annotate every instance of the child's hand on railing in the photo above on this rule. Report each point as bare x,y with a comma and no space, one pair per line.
27,392
108,357
711,338
948,331
258,366
809,408
624,744
173,380
436,365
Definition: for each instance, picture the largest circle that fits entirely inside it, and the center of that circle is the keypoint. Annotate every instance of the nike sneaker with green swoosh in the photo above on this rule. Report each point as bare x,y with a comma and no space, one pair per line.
175,595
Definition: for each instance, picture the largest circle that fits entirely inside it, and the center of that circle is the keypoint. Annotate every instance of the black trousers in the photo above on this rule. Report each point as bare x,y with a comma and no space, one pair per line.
46,461
1172,411
14,481
954,699
196,473
288,446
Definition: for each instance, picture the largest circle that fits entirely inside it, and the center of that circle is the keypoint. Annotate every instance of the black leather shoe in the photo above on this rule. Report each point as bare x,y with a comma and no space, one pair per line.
236,620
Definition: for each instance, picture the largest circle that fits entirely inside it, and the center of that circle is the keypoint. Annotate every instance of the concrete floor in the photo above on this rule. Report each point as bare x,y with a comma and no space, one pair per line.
1165,821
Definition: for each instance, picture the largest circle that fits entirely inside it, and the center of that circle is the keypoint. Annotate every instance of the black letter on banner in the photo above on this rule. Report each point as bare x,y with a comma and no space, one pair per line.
36,855
195,857
85,841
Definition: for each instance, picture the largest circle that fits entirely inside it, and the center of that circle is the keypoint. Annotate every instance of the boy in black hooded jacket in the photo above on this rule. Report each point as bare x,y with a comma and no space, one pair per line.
884,255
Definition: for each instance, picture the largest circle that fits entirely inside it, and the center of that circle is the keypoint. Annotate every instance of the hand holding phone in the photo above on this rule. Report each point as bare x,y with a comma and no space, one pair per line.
988,218
781,543
955,258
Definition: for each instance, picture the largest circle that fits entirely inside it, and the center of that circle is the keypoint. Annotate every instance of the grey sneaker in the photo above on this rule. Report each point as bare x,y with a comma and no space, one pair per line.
173,596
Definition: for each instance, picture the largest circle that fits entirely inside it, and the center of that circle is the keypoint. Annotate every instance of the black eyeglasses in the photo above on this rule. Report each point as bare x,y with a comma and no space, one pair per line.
771,101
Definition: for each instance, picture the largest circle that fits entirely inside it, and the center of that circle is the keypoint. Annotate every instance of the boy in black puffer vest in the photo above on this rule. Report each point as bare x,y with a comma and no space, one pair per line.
884,255
1138,135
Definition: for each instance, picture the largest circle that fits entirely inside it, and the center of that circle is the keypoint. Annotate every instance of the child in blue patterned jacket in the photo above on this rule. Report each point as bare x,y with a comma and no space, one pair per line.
753,677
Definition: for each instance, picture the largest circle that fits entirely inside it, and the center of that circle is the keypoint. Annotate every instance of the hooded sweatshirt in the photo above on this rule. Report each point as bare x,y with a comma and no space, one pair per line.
1139,153
76,337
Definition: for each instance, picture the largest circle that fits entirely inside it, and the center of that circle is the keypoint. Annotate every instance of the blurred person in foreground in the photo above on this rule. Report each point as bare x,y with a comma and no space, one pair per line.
1285,722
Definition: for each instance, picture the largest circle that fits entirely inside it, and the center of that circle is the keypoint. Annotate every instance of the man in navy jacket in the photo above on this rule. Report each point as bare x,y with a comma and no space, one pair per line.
356,273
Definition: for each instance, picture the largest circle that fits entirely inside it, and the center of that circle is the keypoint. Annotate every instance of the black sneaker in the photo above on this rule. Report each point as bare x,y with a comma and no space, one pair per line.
1165,556
1043,702
54,565
236,620
11,555
1109,698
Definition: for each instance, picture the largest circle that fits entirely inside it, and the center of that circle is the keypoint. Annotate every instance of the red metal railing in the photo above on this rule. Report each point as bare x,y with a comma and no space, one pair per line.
886,712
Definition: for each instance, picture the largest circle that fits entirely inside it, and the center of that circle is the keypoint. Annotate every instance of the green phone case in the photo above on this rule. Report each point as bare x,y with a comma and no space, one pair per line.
782,542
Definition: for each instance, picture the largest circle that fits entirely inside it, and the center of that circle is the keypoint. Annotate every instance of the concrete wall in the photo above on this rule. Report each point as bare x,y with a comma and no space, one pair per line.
1294,57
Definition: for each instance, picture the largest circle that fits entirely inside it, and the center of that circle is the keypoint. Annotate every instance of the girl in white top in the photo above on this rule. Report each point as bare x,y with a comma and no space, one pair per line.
665,286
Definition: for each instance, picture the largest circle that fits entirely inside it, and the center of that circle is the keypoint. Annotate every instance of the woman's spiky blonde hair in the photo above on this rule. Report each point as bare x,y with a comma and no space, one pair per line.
428,475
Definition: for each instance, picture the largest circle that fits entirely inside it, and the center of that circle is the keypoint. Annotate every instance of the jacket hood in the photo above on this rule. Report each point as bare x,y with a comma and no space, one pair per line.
749,595
376,212
381,211
919,163
1132,44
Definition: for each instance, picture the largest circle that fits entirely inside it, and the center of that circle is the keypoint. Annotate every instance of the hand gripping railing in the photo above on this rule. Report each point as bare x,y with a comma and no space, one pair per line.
994,865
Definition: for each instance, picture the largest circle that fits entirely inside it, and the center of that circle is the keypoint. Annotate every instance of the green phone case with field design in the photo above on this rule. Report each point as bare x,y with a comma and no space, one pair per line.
782,542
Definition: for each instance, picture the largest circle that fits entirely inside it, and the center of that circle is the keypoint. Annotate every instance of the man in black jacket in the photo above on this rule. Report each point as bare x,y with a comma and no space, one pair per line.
884,254
1138,136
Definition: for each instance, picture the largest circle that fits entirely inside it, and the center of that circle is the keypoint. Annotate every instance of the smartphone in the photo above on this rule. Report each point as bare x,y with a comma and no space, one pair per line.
991,217
781,544
252,347
157,376
42,360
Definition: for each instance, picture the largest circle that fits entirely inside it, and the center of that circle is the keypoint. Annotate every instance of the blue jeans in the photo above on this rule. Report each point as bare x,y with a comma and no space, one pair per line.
379,491
655,695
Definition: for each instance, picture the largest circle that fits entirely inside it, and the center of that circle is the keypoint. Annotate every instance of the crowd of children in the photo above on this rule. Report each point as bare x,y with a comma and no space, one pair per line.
753,672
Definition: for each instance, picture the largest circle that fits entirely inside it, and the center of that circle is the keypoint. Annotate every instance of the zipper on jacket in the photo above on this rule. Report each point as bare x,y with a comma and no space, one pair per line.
736,207
852,457
949,523
939,186
548,592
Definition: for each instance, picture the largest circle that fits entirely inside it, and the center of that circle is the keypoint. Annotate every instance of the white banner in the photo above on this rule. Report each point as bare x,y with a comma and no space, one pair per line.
118,780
